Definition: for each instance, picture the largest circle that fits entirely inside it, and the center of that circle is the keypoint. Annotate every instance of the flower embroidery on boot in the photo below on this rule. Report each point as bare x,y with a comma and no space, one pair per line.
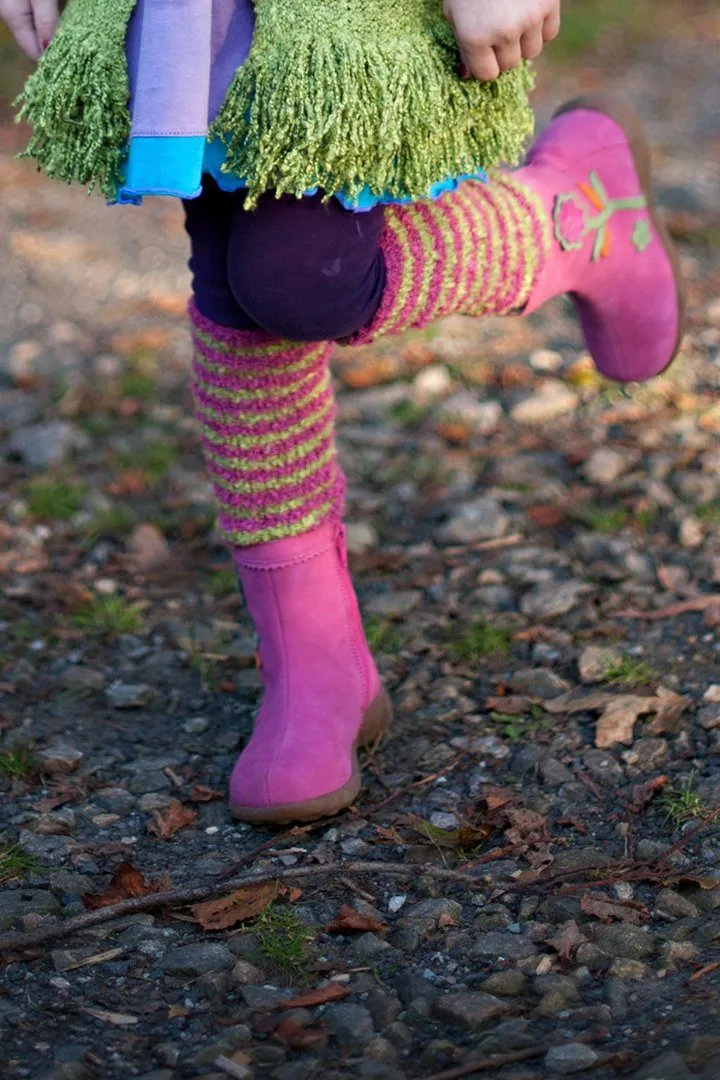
574,219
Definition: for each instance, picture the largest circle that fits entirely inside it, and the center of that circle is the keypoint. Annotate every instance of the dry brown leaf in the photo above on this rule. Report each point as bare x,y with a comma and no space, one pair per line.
297,1037
119,1019
567,941
697,603
350,921
127,882
669,709
617,722
608,911
510,704
496,797
241,905
98,958
167,823
334,991
526,826
177,1011
200,793
643,794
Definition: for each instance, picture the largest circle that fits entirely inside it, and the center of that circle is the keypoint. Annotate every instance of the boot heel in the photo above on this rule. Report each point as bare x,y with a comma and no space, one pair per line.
378,718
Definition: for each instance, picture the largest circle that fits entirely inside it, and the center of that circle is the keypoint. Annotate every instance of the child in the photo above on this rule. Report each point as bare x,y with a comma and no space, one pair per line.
332,157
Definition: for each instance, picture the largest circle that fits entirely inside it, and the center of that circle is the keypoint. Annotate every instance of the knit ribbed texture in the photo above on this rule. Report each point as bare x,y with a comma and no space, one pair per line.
267,413
77,99
476,251
346,95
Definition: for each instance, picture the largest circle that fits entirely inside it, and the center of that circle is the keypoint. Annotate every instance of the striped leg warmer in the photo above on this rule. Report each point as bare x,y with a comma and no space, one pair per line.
267,414
478,250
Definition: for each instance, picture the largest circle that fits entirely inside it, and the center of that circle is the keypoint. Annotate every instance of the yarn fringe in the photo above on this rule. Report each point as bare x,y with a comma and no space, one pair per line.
348,113
77,99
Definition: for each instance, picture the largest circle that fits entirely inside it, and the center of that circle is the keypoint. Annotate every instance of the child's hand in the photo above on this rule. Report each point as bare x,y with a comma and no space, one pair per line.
497,35
32,23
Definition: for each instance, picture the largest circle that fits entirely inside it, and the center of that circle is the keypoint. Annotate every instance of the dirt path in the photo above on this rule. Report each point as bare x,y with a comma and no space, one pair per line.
496,561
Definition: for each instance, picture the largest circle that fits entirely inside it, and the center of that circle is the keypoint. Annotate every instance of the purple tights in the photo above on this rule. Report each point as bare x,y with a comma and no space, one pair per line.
301,269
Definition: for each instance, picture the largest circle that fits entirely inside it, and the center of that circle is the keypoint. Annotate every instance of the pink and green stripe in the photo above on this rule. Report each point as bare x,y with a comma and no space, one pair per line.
267,414
475,251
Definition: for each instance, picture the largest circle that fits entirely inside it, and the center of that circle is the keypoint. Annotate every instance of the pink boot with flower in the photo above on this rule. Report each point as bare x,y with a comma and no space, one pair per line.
610,251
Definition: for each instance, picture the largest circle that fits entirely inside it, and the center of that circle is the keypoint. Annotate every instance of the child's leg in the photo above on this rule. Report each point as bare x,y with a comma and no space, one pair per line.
578,219
267,413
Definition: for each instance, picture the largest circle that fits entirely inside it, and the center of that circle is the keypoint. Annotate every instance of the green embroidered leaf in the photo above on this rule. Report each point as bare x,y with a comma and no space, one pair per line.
642,235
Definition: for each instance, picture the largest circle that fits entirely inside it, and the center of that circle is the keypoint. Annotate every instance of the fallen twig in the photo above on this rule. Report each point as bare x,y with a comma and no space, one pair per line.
707,970
698,603
195,893
495,1062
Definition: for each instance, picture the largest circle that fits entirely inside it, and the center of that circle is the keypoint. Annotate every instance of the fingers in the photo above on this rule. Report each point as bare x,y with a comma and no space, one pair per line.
45,15
21,26
509,56
480,62
532,43
551,26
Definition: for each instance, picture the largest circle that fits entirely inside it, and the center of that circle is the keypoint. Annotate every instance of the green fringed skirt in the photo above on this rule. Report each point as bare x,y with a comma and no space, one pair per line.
360,98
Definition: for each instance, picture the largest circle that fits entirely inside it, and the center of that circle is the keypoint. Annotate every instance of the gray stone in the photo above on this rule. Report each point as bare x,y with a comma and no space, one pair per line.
558,598
506,984
472,1010
59,759
196,725
626,942
595,661
668,1066
605,465
481,417
384,1008
350,1024
424,916
194,960
246,974
157,1074
361,537
539,682
571,1058
504,946
129,695
15,904
82,680
47,850
44,445
551,400
675,906
554,773
231,1041
709,717
479,519
369,947
395,604
18,409
261,997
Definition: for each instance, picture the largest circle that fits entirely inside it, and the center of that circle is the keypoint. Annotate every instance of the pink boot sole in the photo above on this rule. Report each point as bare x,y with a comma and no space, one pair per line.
377,720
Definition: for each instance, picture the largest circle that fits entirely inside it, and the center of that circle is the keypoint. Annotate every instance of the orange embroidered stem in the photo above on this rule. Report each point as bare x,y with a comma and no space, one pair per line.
591,195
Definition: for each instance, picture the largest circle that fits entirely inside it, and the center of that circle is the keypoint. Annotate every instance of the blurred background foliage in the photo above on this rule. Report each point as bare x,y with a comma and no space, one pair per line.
590,27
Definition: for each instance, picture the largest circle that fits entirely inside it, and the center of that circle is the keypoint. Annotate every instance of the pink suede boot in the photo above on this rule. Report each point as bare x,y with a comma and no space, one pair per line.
611,252
323,697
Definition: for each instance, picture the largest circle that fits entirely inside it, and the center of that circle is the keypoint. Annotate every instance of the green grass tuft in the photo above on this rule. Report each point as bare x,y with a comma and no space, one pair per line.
54,500
709,512
480,640
135,384
109,616
111,524
629,671
603,520
17,764
587,22
682,804
15,862
519,727
223,583
154,458
382,634
284,939
408,413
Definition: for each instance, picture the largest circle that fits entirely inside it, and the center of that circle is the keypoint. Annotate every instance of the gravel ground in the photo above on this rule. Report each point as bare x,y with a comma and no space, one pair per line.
538,562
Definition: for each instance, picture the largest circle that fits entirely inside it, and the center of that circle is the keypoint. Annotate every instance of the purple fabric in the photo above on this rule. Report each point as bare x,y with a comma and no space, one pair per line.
182,55
302,269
